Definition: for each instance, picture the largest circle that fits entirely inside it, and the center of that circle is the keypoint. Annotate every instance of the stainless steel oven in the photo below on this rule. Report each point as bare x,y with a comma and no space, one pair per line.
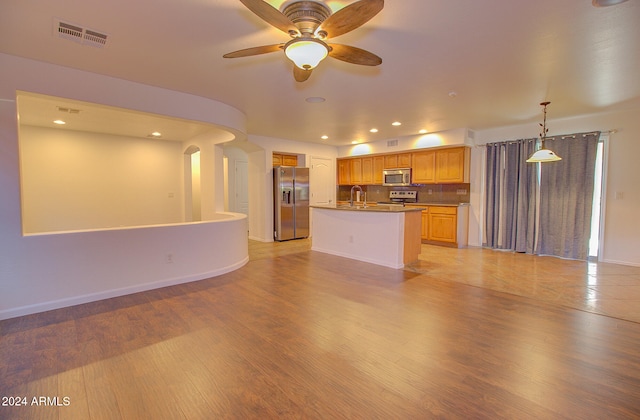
396,177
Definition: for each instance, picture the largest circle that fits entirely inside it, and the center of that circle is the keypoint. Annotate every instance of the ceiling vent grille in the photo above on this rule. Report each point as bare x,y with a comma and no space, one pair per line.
68,110
79,34
392,143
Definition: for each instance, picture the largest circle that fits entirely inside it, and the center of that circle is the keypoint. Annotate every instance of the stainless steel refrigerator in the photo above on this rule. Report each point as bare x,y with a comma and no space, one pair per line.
291,203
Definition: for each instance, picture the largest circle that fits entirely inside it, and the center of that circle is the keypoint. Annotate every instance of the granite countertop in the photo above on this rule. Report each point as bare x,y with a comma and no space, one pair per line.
438,204
375,208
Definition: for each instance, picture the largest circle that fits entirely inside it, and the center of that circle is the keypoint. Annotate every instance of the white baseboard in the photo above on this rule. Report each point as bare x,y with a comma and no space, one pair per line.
107,294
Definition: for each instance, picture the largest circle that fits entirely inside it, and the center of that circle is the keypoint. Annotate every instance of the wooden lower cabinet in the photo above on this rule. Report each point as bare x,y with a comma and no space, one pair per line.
445,225
424,234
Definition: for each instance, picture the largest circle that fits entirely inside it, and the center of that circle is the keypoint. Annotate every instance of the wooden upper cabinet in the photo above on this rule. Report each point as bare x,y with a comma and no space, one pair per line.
378,167
344,171
429,166
452,165
391,161
372,167
367,170
277,159
281,159
356,171
404,160
441,166
424,167
290,160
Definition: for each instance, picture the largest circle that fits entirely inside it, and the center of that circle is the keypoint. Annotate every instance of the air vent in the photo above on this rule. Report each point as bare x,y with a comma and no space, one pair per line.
68,110
79,34
392,143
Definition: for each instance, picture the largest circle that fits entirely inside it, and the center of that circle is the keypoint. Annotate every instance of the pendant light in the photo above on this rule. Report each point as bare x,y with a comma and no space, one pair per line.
544,155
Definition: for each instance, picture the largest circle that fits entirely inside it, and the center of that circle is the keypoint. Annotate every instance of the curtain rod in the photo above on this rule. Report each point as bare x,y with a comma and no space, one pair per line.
612,131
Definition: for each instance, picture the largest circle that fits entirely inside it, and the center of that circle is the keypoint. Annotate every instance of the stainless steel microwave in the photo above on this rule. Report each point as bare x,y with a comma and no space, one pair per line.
396,177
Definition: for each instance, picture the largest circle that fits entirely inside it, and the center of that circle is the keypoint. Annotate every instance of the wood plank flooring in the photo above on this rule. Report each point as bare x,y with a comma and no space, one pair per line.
301,334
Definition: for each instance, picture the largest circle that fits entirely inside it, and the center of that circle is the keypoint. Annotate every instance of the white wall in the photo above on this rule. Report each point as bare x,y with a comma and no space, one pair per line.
47,271
261,179
76,180
621,227
456,137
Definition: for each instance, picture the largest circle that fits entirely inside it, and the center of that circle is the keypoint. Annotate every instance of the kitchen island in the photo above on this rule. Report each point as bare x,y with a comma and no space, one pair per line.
383,235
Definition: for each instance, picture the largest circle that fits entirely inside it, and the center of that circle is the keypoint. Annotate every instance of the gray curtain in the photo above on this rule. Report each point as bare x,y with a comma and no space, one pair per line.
510,201
566,196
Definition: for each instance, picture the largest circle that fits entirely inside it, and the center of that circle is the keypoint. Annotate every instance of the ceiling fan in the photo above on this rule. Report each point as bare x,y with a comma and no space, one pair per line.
309,23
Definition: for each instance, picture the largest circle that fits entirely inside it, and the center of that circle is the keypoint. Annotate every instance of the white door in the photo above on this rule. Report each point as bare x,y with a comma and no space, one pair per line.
322,181
242,187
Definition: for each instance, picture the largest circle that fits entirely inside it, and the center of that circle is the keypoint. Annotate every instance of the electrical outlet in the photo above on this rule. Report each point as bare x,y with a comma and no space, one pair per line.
461,192
429,191
169,258
350,239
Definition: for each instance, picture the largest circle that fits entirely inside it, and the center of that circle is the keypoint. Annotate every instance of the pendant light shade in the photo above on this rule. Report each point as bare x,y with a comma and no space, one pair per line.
306,53
544,155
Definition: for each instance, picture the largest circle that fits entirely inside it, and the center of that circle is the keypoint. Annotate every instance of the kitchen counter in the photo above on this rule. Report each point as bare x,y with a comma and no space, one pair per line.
388,235
438,204
369,208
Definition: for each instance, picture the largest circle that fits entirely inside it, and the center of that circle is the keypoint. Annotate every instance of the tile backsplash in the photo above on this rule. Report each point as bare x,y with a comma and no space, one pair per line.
436,193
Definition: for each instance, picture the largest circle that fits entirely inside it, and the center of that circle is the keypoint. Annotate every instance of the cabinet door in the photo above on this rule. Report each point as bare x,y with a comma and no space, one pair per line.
424,233
391,161
442,224
277,159
356,171
289,160
424,167
450,165
344,171
367,170
378,167
404,160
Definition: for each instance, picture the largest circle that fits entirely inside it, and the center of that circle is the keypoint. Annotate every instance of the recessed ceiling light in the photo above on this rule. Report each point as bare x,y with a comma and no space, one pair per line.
324,137
156,134
315,99
396,123
373,130
356,142
423,131
453,94
59,122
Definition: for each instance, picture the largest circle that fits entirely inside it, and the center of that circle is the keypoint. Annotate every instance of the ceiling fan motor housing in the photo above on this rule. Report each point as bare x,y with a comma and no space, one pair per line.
307,15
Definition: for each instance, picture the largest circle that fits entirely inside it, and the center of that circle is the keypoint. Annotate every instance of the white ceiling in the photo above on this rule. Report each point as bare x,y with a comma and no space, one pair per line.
501,58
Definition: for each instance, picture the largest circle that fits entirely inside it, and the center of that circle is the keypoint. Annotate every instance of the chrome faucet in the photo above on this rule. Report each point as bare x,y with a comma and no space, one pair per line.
351,197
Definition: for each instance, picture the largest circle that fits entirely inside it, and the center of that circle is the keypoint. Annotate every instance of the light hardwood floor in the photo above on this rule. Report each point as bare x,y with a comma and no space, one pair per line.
299,334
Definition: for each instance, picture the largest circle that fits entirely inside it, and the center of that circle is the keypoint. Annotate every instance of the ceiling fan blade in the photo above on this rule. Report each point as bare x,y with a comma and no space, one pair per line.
351,17
300,75
271,15
255,51
354,55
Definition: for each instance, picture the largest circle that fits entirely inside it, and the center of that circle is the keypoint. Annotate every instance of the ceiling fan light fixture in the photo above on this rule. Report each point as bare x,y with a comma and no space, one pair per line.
306,53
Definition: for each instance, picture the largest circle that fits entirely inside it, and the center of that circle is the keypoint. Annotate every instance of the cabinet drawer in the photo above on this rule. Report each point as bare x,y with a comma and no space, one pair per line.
443,210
